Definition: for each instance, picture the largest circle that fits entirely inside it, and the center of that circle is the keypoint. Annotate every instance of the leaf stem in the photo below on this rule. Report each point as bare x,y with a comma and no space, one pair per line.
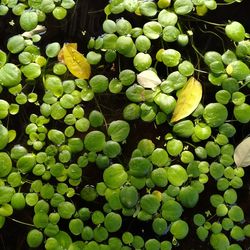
207,22
201,71
225,4
21,222
99,107
196,50
95,12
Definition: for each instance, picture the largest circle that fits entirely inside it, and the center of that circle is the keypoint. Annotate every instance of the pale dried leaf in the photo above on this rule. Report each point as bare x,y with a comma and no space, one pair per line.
40,29
242,153
148,79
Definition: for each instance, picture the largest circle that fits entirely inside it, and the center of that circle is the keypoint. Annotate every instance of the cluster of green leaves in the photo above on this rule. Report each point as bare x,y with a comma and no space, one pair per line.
32,12
47,168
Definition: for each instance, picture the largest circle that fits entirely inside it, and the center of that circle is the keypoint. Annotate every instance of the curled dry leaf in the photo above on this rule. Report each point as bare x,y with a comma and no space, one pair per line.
148,79
188,100
242,153
75,61
40,29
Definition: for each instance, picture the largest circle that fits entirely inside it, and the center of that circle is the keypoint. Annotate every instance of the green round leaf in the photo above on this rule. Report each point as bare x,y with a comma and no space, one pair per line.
76,226
153,244
167,18
115,176
28,20
235,31
88,193
159,226
202,233
56,136
188,196
215,114
63,239
16,44
94,141
66,209
150,203
142,61
123,27
26,163
129,196
152,30
183,7
113,222
10,75
170,34
238,70
219,241
34,238
159,177
177,175
52,49
171,210
236,213
179,229
118,130
171,57
139,166
112,149
241,113
5,164
99,83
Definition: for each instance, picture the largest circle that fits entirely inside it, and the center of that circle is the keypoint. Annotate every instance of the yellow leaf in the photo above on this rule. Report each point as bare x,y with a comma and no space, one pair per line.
75,61
188,100
60,56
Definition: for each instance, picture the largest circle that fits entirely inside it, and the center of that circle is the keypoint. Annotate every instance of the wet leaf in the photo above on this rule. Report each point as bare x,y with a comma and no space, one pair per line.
148,79
242,153
61,55
188,99
75,61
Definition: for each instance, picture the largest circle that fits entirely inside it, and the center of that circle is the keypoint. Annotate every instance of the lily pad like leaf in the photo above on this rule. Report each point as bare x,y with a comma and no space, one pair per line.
148,79
188,100
242,153
75,61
